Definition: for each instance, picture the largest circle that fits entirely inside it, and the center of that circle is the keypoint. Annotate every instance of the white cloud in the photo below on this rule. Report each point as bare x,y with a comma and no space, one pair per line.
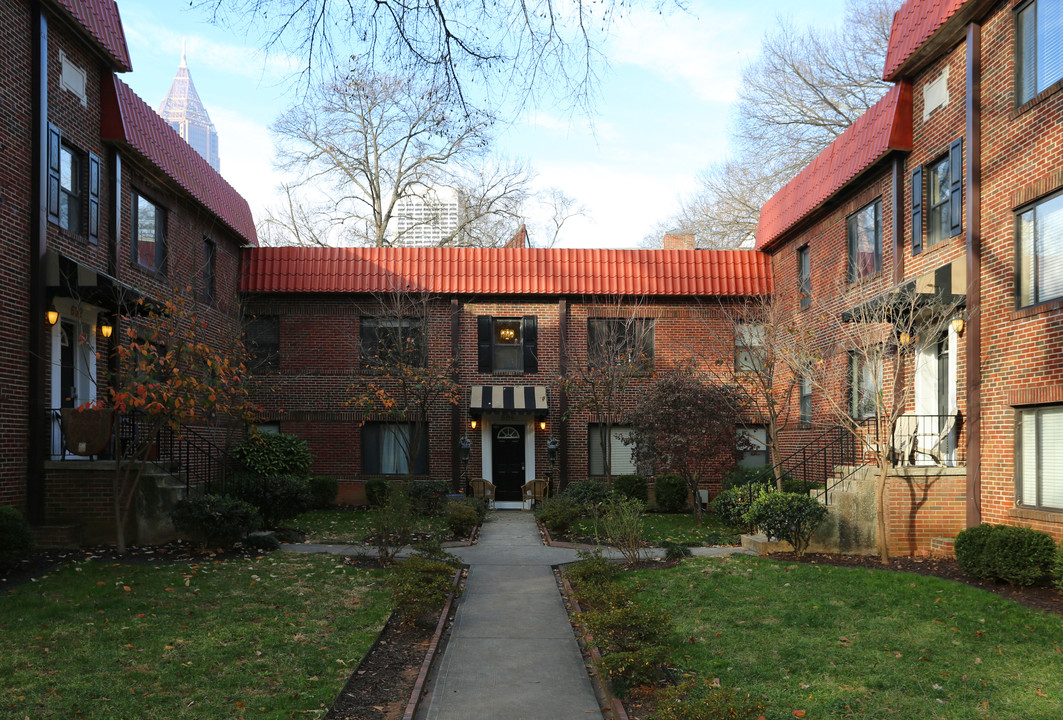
704,51
246,151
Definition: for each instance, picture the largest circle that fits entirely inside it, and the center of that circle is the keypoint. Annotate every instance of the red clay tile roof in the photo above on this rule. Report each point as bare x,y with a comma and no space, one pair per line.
497,271
886,126
128,119
913,25
101,21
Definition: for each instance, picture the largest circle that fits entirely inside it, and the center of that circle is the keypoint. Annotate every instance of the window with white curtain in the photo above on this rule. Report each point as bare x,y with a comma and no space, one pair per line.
1040,457
386,448
754,447
621,462
1041,252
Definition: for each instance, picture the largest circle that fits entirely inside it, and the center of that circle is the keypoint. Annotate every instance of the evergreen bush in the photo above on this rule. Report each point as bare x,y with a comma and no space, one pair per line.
215,520
376,491
631,486
275,454
427,497
587,495
969,547
671,493
558,513
1015,555
323,491
277,497
16,538
461,518
787,516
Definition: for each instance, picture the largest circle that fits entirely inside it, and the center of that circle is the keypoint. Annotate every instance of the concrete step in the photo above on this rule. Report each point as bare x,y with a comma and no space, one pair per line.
760,544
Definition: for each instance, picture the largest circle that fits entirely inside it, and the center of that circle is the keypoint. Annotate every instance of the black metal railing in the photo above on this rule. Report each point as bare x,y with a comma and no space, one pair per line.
925,439
189,455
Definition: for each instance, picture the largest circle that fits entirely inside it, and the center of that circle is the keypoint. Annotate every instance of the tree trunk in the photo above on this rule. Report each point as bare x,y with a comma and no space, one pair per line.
774,454
697,503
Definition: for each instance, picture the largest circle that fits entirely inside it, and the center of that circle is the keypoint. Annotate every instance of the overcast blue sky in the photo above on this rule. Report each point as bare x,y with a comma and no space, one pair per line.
662,114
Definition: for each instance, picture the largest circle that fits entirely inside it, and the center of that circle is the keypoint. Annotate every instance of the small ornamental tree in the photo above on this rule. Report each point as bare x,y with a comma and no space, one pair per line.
686,425
169,373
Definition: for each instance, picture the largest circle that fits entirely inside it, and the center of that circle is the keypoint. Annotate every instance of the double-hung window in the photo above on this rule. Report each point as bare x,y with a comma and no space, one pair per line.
618,452
804,276
394,449
620,342
391,342
1038,47
1041,251
149,234
865,381
805,389
753,444
69,189
1040,457
73,187
262,341
865,241
507,344
939,198
749,348
207,273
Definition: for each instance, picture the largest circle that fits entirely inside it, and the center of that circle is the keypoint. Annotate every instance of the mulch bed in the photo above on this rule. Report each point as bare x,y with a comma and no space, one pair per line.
1037,597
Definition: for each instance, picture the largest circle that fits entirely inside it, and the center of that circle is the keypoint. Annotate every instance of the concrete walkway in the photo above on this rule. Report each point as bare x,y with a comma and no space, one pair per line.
512,652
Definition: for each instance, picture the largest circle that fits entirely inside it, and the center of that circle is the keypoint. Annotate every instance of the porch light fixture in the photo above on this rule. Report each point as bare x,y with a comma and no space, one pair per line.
52,315
542,422
957,325
474,420
106,328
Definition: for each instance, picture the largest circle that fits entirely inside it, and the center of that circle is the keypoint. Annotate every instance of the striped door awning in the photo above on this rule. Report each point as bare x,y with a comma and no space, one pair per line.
508,398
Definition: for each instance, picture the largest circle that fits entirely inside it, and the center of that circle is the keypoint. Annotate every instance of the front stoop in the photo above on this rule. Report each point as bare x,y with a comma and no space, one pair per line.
942,547
760,544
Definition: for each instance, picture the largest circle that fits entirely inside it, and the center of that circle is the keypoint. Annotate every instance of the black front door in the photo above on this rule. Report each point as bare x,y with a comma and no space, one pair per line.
507,461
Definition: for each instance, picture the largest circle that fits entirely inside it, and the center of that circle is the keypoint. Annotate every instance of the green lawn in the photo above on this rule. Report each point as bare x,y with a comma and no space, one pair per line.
354,526
852,643
273,637
680,528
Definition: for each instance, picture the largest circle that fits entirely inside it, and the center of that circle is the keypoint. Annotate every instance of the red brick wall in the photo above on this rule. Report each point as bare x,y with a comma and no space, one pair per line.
921,507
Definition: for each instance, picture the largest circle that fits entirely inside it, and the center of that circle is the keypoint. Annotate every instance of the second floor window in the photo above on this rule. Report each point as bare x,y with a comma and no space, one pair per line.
620,341
206,279
865,241
804,276
865,380
149,234
262,339
805,387
507,344
390,342
69,189
749,348
1038,47
1041,252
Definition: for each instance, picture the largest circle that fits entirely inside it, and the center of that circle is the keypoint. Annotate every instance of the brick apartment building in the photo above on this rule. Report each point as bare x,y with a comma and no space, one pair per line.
513,321
102,204
951,183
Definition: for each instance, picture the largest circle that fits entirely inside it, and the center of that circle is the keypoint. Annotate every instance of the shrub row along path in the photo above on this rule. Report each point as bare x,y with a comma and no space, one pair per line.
512,652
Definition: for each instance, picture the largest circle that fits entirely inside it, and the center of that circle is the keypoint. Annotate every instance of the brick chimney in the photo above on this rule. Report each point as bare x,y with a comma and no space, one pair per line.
679,241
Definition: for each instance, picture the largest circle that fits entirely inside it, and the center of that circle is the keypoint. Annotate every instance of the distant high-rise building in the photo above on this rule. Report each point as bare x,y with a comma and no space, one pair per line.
183,109
426,219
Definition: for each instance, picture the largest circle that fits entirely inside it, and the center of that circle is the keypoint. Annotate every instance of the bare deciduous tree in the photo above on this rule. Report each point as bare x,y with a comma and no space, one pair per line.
376,141
514,48
803,91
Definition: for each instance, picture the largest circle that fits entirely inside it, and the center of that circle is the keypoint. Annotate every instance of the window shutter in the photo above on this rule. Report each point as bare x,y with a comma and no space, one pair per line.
94,198
917,210
370,449
956,186
54,139
530,335
367,338
484,342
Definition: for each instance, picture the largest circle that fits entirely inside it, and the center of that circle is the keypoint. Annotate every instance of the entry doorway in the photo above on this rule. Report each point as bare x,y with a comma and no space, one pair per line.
935,394
507,462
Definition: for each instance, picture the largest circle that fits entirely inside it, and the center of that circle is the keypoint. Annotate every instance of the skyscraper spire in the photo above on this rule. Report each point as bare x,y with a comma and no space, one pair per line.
183,109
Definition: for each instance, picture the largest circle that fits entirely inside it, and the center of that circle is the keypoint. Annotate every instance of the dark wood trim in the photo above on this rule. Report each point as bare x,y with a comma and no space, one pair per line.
898,219
973,333
455,409
37,424
562,396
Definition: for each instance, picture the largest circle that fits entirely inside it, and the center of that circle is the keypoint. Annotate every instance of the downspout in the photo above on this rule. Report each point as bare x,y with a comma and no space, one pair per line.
562,400
974,274
114,254
37,424
898,218
455,408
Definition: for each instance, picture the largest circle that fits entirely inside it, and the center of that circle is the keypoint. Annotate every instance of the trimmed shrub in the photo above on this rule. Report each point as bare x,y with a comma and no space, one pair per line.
1021,555
215,520
630,636
557,513
323,491
586,494
263,542
1057,568
431,549
622,526
427,497
787,516
277,497
742,477
674,551
16,537
461,518
419,587
732,506
631,486
376,491
970,551
275,454
671,493
477,504
1016,555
